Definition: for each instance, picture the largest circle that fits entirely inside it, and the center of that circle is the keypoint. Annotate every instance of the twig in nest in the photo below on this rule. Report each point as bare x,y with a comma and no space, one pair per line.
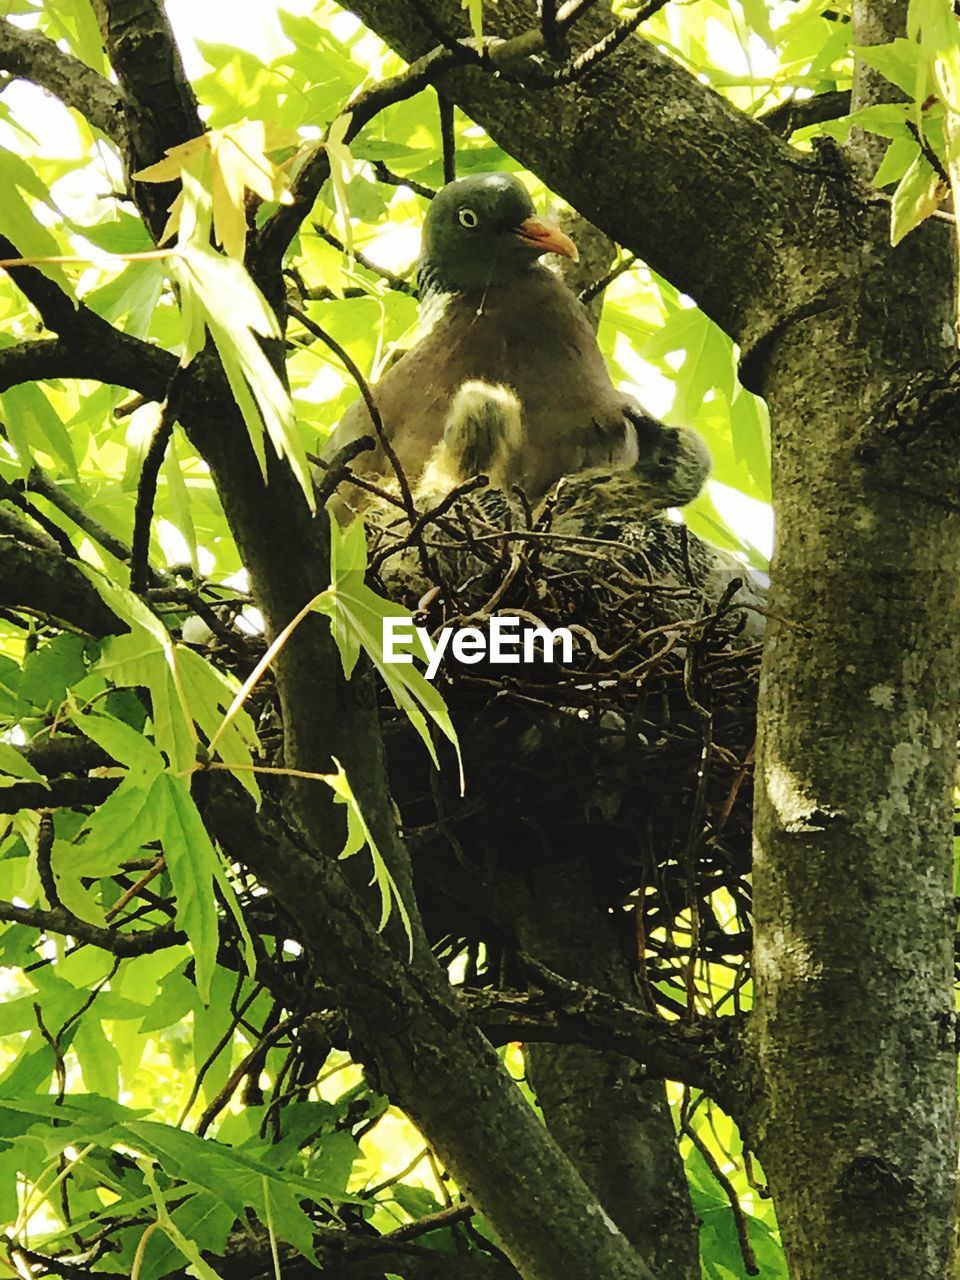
430,517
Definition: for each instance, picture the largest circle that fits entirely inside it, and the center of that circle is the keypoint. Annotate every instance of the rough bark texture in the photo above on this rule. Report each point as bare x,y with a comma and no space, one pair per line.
853,868
853,858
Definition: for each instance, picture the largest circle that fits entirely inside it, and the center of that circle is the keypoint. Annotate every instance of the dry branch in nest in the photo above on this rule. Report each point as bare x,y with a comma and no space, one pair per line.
638,752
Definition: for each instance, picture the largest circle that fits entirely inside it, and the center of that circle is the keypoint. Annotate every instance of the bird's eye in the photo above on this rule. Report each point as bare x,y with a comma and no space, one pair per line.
468,219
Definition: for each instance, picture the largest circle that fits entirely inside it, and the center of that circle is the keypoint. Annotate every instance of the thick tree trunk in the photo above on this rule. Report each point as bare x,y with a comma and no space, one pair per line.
853,871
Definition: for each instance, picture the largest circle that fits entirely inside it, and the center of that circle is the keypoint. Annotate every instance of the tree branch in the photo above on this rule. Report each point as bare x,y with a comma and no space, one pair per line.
268,246
30,55
61,921
796,113
704,1055
143,52
45,582
88,346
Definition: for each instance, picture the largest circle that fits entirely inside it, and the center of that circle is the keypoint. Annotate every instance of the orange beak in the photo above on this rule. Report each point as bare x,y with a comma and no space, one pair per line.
545,237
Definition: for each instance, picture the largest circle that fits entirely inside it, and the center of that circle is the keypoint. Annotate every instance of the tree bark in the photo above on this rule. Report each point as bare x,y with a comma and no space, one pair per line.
853,1018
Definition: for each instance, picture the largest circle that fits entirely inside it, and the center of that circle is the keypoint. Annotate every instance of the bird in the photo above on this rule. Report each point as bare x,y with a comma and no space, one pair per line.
619,508
493,315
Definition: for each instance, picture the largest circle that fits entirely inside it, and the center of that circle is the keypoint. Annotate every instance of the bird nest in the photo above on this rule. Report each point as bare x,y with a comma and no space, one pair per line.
637,752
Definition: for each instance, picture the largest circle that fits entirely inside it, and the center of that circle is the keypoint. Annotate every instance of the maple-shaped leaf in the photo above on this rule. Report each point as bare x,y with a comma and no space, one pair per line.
238,163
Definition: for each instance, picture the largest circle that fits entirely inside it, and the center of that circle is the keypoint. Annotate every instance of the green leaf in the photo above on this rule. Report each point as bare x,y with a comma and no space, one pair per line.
897,61
179,498
342,170
137,659
185,689
229,895
897,159
234,1177
19,223
357,614
218,295
358,838
51,670
117,828
14,765
919,194
209,692
889,119
176,998
121,742
757,14
475,10
99,1061
193,864
35,427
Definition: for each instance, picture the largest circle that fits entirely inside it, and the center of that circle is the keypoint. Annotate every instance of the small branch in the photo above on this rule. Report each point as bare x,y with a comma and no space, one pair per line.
56,309
61,921
393,280
438,1221
38,482
704,1054
588,61
391,179
46,583
592,290
147,486
267,248
66,793
796,113
448,137
30,55
750,1265
45,835
218,1048
252,1062
156,868
572,12
89,346
372,408
27,530
40,359
414,537
930,155
338,467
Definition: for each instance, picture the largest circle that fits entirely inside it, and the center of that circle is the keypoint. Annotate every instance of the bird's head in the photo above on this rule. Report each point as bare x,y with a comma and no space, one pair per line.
483,231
